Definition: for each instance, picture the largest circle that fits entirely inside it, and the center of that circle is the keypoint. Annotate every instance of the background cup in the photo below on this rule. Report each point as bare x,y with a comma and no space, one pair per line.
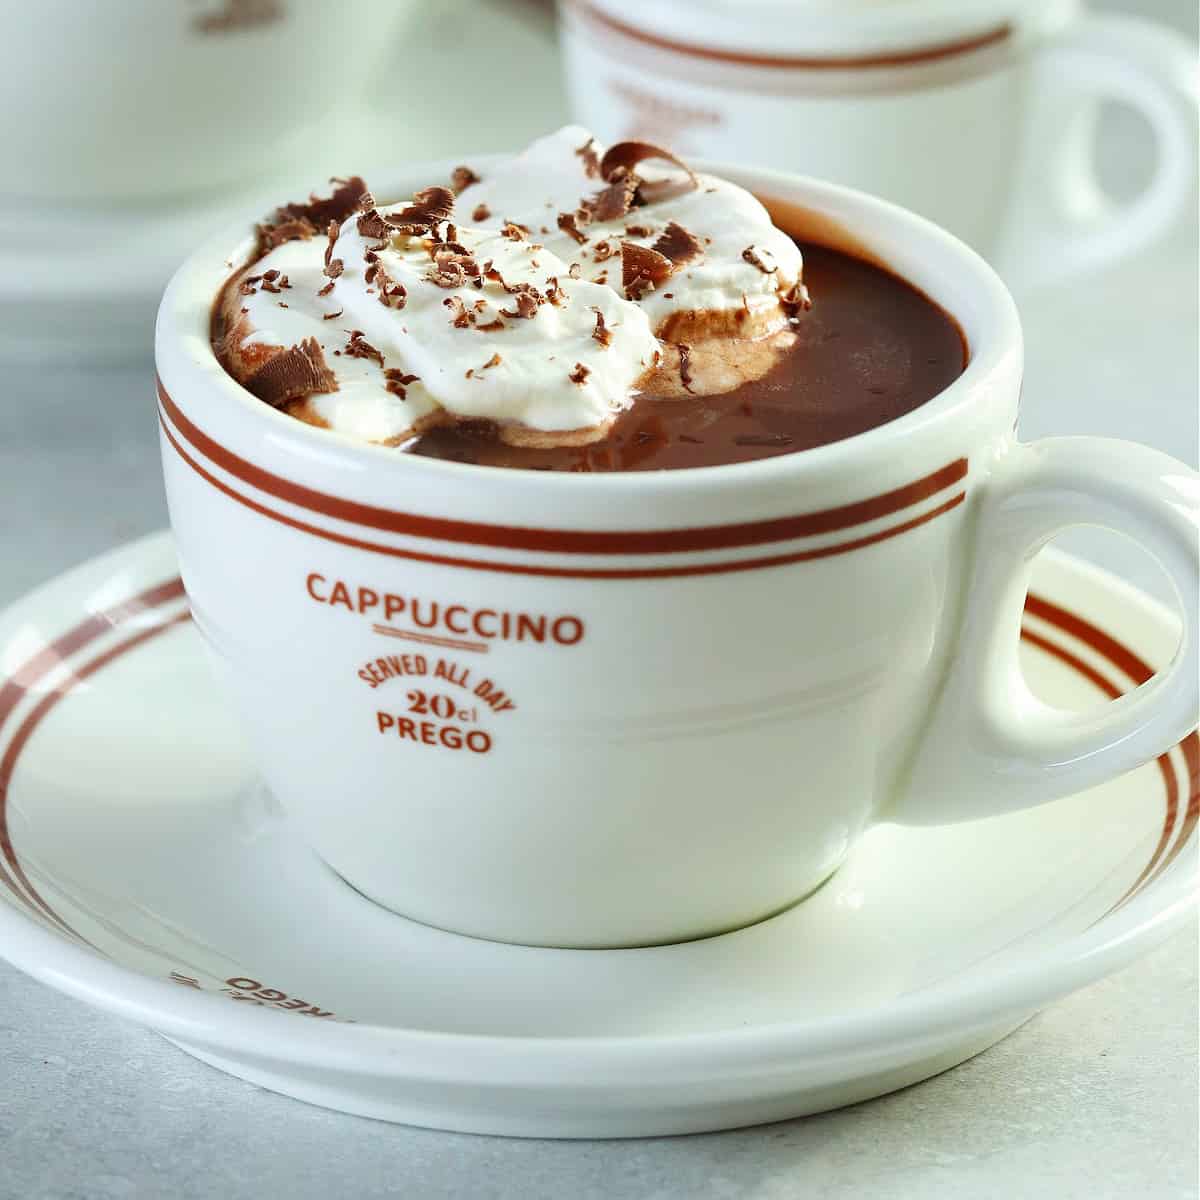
980,116
628,709
151,99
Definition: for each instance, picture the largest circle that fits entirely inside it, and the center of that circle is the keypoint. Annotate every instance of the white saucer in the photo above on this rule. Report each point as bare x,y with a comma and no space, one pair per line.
140,849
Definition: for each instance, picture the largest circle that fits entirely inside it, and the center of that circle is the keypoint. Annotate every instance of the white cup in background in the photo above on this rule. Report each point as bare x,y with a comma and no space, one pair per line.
980,116
150,99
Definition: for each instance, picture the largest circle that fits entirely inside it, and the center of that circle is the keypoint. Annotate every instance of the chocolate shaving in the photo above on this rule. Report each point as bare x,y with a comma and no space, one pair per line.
626,189
391,294
614,201
296,221
494,361
642,269
602,333
655,191
567,223
514,232
754,257
796,298
334,267
678,244
575,270
452,260
460,318
624,156
481,212
461,178
327,288
298,371
429,206
591,160
603,250
527,298
293,229
397,381
373,225
554,293
358,347
639,230
580,374
492,326
685,365
451,275
333,316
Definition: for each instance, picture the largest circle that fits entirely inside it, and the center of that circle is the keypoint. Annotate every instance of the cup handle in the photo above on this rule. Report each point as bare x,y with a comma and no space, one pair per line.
1062,221
992,746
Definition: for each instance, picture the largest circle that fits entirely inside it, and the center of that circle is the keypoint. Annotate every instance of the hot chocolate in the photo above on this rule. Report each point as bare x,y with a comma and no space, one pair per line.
576,310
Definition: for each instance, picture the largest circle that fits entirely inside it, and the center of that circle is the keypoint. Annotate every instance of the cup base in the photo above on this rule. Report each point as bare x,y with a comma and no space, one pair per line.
534,943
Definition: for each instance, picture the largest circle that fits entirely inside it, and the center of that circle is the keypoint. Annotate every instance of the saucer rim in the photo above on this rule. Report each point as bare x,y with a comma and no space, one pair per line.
975,999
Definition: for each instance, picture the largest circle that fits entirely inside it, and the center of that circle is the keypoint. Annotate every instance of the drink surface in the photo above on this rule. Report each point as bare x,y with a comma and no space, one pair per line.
870,349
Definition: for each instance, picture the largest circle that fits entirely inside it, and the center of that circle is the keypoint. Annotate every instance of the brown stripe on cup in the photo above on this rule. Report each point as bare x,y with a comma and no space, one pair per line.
560,541
915,56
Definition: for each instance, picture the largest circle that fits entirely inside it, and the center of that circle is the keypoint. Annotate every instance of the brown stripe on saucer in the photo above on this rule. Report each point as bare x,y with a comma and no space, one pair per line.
25,731
31,672
1139,671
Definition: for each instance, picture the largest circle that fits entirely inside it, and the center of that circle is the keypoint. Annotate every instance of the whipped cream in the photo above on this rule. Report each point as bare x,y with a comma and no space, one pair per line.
543,297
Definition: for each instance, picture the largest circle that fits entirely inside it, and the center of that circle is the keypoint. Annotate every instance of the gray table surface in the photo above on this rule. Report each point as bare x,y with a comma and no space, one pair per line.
1095,1098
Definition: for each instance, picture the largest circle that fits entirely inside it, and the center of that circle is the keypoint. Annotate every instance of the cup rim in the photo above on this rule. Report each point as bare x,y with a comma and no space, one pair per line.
831,29
184,353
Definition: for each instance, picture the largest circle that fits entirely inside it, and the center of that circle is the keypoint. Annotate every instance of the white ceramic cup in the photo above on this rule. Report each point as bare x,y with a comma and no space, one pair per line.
146,99
637,708
980,116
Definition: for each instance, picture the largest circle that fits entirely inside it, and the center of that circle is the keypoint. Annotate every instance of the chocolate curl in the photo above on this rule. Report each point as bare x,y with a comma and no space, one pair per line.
642,269
359,347
602,333
461,178
293,229
567,223
591,160
624,156
528,300
796,298
292,374
614,201
337,207
372,225
397,381
754,256
429,206
620,160
678,244
301,221
391,294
